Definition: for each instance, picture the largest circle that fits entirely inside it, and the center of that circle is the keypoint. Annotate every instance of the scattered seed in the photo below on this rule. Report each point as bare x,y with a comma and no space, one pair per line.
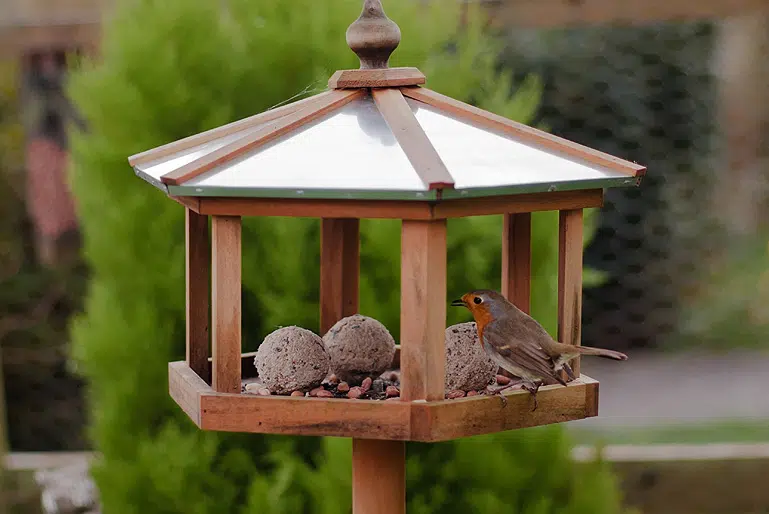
503,380
472,393
343,387
355,392
366,385
455,394
333,379
315,391
297,393
324,394
392,391
264,392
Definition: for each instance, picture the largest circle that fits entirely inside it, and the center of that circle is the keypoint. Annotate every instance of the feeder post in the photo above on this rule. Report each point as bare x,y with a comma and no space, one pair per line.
226,303
198,272
378,467
570,230
516,260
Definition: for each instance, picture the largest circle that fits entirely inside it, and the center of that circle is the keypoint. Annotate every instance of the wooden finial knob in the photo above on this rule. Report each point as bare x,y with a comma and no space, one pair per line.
373,36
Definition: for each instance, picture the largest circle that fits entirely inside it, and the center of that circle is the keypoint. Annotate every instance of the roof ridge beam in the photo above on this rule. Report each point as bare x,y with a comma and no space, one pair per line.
225,130
333,100
412,138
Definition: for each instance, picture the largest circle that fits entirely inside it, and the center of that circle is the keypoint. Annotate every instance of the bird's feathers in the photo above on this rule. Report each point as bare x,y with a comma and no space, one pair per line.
513,342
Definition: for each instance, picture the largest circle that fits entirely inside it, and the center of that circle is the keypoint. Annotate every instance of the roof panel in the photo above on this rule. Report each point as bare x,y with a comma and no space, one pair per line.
159,167
482,158
351,148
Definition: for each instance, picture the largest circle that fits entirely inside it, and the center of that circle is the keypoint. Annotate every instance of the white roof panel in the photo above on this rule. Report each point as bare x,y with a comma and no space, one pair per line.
480,158
350,149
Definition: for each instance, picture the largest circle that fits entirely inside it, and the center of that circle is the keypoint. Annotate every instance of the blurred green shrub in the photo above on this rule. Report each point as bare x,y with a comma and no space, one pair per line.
171,68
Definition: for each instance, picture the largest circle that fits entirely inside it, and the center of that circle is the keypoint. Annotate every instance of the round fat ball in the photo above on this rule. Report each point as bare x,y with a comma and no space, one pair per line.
359,347
468,368
291,359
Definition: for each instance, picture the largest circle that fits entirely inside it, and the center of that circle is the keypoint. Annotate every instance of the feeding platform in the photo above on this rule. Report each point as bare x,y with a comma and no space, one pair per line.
377,144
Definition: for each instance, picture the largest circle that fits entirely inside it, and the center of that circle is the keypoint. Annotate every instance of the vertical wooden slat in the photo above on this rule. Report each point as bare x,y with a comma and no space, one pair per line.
516,260
378,477
570,279
423,309
198,272
339,270
225,285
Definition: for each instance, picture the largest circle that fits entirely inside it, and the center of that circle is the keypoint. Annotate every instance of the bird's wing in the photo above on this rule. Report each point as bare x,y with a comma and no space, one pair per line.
516,344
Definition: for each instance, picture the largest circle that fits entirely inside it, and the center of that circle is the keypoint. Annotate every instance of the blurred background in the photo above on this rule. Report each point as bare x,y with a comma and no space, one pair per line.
91,307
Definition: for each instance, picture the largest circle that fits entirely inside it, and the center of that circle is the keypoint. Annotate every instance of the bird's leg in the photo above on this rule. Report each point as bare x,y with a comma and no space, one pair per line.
513,383
569,372
498,391
532,389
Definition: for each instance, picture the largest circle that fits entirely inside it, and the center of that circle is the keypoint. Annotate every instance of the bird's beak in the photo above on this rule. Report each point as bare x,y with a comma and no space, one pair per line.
458,303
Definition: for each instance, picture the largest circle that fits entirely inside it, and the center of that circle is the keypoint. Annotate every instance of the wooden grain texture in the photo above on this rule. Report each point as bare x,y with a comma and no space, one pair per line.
514,204
198,274
189,202
516,259
412,139
305,416
381,420
185,387
273,130
339,270
559,13
226,303
225,130
570,228
523,132
401,209
451,419
387,77
378,477
423,310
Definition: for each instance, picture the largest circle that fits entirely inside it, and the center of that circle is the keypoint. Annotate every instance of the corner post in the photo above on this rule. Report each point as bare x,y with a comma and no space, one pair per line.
198,270
516,260
570,233
226,303
423,310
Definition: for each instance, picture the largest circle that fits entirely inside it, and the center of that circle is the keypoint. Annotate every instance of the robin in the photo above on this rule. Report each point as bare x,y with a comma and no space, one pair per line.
517,343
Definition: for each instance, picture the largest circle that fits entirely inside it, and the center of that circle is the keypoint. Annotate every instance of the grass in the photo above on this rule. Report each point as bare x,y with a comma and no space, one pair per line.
727,431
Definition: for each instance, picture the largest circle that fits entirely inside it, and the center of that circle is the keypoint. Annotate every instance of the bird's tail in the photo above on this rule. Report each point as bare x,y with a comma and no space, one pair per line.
601,352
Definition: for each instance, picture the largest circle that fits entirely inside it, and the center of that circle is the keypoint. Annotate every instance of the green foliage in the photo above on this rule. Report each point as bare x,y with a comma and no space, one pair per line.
171,68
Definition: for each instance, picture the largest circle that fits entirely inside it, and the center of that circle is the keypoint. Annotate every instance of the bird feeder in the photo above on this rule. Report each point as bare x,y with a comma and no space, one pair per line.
376,144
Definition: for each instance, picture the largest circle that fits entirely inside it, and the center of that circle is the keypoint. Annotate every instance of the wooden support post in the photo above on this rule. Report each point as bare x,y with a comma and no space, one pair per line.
516,260
378,476
339,269
423,310
570,280
378,467
225,286
198,273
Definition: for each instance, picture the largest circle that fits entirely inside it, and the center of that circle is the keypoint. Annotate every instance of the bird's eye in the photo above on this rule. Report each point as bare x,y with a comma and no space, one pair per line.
477,300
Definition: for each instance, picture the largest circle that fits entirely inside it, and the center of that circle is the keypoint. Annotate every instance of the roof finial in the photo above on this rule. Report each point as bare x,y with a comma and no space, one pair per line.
373,36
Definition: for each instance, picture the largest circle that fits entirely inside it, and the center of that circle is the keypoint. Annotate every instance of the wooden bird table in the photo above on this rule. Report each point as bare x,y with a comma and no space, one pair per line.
377,144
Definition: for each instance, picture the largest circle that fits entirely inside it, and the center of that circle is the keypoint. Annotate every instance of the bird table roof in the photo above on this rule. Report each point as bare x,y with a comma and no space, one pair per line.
382,143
